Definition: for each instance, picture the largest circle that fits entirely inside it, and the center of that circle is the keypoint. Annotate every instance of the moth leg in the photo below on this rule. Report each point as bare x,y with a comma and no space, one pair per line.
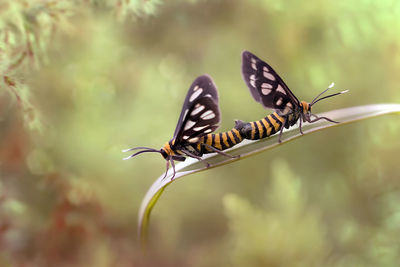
280,132
173,167
166,171
221,152
323,118
190,154
301,121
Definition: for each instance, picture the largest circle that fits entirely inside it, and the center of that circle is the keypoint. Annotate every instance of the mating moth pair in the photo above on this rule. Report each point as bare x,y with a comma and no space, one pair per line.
200,115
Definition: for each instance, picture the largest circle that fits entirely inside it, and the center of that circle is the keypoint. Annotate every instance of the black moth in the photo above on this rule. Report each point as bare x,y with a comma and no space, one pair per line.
269,89
199,117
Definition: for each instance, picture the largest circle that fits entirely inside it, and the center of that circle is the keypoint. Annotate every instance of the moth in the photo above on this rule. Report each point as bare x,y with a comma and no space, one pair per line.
268,88
200,116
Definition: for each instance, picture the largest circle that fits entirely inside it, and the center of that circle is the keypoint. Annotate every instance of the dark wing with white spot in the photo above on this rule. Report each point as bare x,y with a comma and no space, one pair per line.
200,113
265,84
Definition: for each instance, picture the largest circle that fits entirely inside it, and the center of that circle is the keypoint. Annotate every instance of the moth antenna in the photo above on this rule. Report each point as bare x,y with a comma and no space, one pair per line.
342,92
323,92
140,152
135,148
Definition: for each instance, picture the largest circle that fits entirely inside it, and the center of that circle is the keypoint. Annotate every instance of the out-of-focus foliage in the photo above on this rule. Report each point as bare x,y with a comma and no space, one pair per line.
283,224
81,80
290,221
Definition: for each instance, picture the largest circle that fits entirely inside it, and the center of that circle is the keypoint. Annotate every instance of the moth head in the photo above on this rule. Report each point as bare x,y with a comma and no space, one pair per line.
167,151
306,107
164,154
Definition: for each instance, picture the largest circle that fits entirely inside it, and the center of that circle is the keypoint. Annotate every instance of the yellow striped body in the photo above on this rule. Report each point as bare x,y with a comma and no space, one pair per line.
267,126
206,144
220,141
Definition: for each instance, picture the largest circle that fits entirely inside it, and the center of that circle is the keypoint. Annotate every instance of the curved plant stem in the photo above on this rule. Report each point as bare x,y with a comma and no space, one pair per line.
248,148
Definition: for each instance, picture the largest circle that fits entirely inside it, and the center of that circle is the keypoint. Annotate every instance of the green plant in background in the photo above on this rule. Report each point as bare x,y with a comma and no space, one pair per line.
80,80
284,223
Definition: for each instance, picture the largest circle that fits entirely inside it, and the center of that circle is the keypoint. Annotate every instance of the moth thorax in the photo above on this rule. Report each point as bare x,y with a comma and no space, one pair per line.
306,107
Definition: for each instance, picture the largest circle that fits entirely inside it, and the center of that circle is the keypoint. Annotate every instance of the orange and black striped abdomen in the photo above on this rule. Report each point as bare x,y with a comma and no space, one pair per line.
263,128
220,141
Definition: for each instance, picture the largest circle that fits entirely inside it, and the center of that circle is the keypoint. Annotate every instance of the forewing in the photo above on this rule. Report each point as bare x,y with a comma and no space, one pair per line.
265,84
200,113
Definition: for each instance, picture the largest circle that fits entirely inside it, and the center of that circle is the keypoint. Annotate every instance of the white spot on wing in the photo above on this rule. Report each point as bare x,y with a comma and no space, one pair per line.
195,94
197,109
265,91
208,115
208,131
288,108
279,102
266,88
197,129
185,137
195,88
253,63
189,124
193,140
280,89
184,114
253,80
269,76
208,95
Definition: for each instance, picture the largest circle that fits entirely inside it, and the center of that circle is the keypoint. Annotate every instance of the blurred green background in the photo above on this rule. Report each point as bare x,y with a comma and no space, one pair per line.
81,81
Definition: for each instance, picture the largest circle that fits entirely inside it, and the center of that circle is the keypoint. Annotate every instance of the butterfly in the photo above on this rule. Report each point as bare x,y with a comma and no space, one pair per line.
268,88
200,116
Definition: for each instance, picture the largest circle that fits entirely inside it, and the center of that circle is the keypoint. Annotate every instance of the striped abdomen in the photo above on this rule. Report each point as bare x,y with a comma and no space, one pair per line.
220,141
267,126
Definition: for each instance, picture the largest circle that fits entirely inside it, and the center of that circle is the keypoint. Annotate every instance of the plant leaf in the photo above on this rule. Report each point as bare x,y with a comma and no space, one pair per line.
248,148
